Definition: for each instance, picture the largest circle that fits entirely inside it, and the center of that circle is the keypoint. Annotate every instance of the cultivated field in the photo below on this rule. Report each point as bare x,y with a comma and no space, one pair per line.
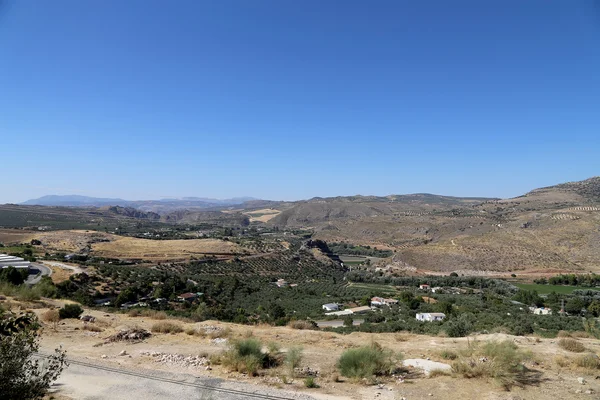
127,247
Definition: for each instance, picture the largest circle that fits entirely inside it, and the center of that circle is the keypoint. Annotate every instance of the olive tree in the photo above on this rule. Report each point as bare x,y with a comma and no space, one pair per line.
25,376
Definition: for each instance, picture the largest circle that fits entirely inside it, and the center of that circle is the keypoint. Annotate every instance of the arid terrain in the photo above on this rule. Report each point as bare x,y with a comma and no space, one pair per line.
83,341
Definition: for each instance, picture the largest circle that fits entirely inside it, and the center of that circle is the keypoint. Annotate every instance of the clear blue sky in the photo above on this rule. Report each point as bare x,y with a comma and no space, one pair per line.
295,99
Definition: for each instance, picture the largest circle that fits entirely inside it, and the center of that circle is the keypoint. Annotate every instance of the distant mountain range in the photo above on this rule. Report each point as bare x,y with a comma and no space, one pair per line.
162,205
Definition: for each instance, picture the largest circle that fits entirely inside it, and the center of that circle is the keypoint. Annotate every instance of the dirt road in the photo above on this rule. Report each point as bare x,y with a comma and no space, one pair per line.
84,379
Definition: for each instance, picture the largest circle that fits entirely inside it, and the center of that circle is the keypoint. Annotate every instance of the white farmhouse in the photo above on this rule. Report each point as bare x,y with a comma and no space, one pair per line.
430,317
331,307
540,310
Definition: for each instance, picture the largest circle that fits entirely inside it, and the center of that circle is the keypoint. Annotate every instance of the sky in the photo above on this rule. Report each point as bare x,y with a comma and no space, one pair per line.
287,100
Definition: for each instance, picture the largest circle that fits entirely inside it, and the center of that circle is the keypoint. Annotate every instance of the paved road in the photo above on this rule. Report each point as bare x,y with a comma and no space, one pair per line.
84,379
35,278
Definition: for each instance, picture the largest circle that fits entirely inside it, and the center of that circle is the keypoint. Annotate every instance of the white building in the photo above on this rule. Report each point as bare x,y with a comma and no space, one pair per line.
331,307
377,301
12,261
430,317
540,310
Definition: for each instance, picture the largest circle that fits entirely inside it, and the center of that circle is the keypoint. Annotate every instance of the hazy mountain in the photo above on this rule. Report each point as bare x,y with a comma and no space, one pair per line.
162,205
74,201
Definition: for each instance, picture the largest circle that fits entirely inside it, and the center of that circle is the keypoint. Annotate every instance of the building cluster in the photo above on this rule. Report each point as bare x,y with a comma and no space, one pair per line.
12,261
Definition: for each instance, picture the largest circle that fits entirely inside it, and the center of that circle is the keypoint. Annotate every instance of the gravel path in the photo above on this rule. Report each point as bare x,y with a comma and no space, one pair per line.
87,380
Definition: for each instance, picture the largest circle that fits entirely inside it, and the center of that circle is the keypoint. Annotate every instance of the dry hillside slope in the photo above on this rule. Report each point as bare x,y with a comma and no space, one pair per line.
555,227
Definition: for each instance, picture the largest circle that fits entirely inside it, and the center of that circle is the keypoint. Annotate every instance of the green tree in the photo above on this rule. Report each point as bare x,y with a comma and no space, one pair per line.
23,376
594,308
574,306
70,311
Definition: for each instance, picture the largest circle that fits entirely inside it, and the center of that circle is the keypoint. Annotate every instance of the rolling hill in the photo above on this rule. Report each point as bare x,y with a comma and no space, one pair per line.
552,228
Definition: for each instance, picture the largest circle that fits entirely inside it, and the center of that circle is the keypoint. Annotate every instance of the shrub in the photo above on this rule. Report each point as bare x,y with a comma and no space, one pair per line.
70,311
190,331
51,317
310,382
23,376
166,327
219,333
365,362
501,361
134,312
92,328
245,356
438,372
571,345
293,358
588,361
302,324
448,355
562,361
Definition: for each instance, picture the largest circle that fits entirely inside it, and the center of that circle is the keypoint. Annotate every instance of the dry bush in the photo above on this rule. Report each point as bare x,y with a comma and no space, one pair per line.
439,372
190,331
402,337
166,327
571,345
148,313
222,333
501,361
562,361
588,361
563,334
303,324
51,317
134,312
580,335
92,328
448,355
160,315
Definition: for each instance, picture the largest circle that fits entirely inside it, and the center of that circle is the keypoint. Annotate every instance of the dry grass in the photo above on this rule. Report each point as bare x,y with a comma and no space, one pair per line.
439,372
448,355
128,247
580,335
563,334
190,331
588,361
166,327
402,337
571,345
500,361
562,361
302,324
152,314
51,317
221,333
92,328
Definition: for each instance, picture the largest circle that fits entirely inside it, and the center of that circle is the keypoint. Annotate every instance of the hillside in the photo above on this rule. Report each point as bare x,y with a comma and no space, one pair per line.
549,228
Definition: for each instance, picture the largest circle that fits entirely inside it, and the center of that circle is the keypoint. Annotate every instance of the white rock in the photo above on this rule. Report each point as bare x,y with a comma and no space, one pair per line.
581,380
123,353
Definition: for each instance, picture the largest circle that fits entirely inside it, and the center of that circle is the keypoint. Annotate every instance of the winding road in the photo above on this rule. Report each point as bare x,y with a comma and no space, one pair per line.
32,279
